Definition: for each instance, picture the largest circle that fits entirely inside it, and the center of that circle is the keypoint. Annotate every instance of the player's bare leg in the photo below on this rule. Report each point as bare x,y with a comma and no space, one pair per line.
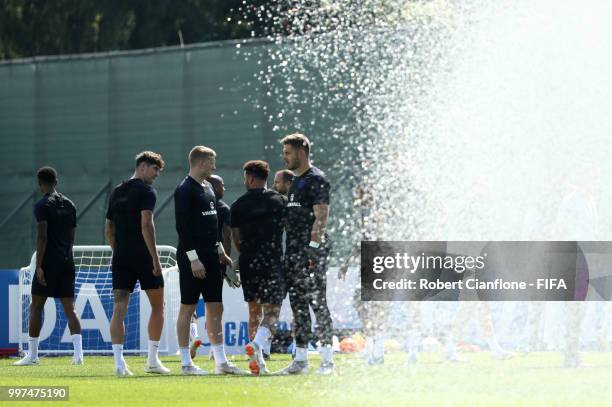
117,330
182,332
194,338
264,333
75,329
214,328
155,327
35,324
36,308
272,313
256,315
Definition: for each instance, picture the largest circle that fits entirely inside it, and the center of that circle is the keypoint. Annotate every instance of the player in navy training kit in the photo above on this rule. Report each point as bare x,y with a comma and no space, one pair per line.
258,221
308,250
130,232
224,235
55,274
199,256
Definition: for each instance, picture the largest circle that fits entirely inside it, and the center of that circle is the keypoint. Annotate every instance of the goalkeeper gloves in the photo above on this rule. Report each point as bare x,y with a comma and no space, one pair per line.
232,277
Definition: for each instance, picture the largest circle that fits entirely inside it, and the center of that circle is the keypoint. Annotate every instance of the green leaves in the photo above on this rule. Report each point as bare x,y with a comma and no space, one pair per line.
38,27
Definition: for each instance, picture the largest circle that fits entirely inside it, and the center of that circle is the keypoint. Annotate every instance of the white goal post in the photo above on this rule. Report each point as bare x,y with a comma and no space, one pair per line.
94,302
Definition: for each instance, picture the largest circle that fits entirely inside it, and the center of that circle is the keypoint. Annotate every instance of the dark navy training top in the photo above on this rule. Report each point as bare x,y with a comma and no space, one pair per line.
260,216
195,210
126,201
307,190
60,214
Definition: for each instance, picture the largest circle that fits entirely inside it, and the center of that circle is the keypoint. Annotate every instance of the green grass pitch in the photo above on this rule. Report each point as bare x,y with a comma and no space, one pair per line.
533,380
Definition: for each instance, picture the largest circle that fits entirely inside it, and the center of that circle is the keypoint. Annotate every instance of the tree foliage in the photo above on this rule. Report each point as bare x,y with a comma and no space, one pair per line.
50,27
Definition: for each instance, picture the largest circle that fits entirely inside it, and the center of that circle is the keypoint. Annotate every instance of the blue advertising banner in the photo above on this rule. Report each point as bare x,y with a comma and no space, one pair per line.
9,281
93,304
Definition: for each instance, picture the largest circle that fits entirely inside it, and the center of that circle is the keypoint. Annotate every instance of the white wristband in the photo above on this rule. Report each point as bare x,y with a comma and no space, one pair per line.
220,248
314,244
192,255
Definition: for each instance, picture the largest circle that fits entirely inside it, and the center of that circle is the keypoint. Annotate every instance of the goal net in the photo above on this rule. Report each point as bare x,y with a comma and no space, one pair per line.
94,305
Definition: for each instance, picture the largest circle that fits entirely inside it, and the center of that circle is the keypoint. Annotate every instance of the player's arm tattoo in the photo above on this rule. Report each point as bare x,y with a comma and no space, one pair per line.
148,231
109,233
321,212
41,242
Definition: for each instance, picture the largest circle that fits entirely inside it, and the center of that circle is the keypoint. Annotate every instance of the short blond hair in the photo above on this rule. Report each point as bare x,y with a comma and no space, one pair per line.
200,153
